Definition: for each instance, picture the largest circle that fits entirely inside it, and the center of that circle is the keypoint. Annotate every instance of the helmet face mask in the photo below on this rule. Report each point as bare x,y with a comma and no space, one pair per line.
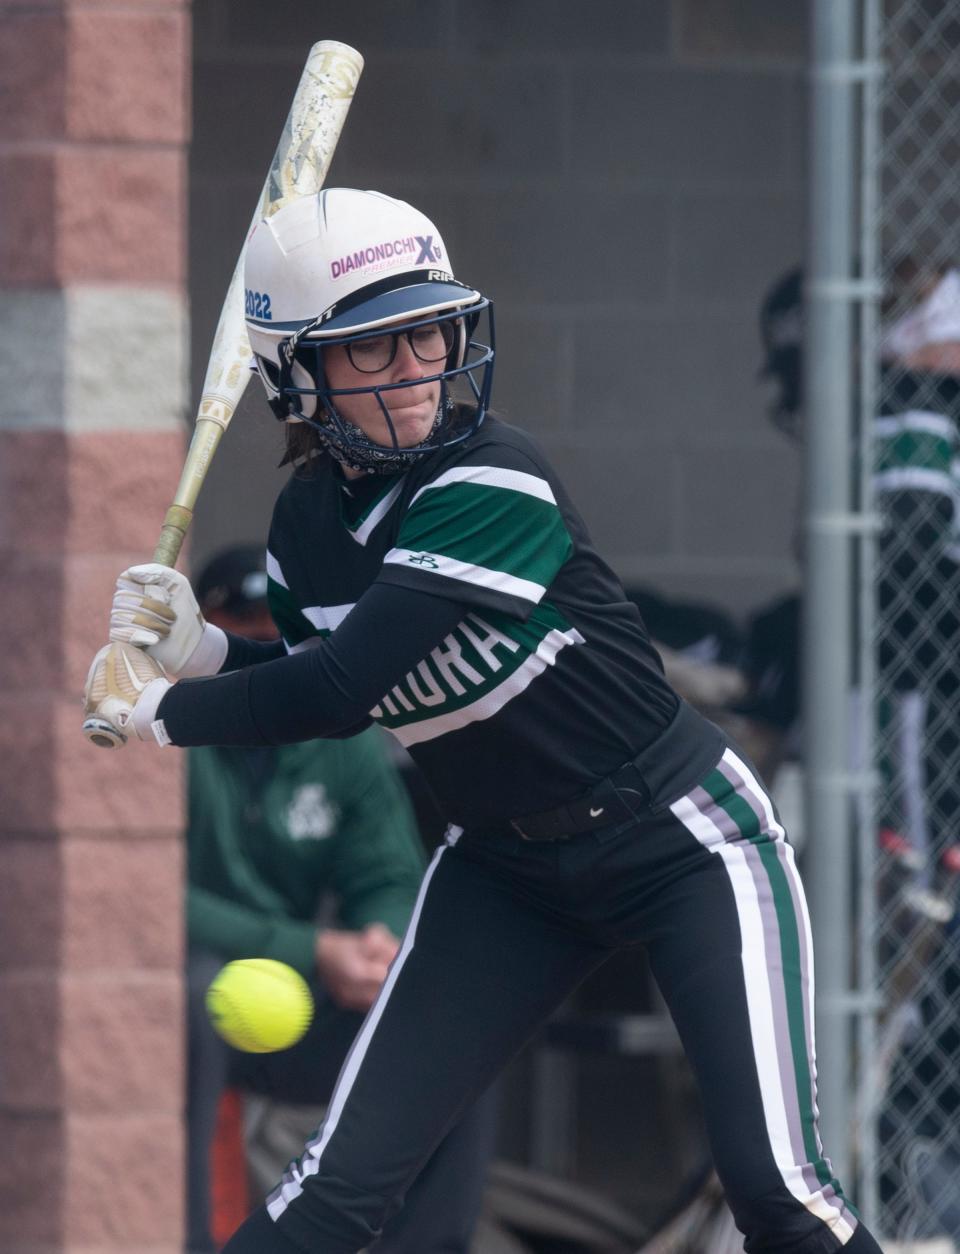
350,268
465,377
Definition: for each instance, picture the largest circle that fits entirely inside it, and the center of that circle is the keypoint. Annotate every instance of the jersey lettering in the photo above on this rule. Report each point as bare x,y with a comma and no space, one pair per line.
434,683
450,659
434,694
485,645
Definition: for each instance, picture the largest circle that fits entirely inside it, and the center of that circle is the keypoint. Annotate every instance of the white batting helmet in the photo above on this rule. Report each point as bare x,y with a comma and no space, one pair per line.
330,268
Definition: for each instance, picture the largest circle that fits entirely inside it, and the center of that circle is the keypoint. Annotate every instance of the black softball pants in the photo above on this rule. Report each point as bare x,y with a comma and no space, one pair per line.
502,932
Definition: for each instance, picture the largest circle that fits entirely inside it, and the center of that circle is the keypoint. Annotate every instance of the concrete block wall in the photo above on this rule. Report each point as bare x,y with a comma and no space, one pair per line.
93,133
624,178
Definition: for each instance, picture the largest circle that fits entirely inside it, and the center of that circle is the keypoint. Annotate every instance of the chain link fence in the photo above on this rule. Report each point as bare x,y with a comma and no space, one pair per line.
914,1075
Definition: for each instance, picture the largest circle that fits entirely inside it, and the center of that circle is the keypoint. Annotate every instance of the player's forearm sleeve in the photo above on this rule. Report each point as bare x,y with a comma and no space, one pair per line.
242,652
322,691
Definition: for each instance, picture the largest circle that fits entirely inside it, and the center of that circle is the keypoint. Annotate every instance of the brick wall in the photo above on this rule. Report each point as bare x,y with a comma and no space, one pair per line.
93,127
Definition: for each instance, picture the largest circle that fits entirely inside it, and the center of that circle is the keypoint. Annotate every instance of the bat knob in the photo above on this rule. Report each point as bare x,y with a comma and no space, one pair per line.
103,734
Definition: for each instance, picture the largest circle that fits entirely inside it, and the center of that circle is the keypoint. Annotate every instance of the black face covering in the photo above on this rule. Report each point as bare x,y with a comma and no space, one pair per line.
374,462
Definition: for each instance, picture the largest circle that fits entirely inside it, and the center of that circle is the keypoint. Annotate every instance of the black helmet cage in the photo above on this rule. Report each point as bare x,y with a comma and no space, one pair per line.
466,357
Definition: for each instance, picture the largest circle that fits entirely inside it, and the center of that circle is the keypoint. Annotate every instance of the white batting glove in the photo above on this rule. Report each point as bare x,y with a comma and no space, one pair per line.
154,608
123,689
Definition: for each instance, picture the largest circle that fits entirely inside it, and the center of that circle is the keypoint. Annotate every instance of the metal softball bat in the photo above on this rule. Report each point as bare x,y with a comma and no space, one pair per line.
299,168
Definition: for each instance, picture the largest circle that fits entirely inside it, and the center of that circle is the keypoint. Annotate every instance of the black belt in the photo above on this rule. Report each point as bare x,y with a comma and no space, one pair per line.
665,770
602,805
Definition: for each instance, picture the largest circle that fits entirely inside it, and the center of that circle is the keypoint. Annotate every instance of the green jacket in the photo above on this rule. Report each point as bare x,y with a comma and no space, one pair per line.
272,832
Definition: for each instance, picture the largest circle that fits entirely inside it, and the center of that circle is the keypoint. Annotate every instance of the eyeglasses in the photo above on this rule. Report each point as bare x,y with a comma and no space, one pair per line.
429,343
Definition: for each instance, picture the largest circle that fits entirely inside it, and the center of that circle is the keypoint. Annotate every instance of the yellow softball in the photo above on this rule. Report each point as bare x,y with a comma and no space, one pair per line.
259,1005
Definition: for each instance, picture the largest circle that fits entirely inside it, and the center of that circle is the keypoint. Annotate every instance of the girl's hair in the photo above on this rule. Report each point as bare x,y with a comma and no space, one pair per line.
303,444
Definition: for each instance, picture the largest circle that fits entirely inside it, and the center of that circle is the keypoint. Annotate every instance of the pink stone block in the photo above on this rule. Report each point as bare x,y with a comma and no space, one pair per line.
97,493
56,780
33,491
32,57
31,1149
91,1184
120,485
136,791
30,1041
128,75
28,218
124,1183
28,770
92,1044
31,892
123,905
121,214
93,214
32,658
122,1043
84,905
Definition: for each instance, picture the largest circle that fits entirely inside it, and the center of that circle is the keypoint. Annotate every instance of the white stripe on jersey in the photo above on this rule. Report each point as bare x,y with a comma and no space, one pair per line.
327,617
274,572
917,478
915,420
311,642
377,514
488,705
492,477
467,572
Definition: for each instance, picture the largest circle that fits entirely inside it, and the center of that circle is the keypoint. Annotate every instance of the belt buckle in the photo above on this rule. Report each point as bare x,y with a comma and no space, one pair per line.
533,840
549,839
629,778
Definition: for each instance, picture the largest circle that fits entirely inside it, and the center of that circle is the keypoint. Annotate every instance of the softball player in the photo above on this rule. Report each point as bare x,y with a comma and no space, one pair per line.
427,571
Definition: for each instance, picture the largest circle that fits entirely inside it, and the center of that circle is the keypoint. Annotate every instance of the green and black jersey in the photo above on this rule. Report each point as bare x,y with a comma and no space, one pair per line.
917,486
547,681
917,438
462,606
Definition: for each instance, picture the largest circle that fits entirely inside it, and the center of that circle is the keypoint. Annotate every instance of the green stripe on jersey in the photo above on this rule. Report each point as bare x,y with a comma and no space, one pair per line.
489,527
914,449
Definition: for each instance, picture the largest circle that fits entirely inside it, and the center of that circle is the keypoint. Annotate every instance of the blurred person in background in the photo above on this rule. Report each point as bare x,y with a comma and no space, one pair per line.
917,495
308,854
917,492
